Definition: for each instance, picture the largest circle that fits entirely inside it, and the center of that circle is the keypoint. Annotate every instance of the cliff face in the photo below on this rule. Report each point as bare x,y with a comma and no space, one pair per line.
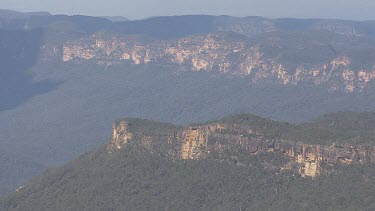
120,135
335,53
224,53
223,140
203,141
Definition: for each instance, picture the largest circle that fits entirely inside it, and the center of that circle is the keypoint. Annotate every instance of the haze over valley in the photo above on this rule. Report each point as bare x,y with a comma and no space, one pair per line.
284,100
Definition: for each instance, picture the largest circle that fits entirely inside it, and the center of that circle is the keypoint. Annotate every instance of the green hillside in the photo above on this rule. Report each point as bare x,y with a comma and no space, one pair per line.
135,179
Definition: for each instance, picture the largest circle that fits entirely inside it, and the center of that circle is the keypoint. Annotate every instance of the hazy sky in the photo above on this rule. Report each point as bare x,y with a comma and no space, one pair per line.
341,9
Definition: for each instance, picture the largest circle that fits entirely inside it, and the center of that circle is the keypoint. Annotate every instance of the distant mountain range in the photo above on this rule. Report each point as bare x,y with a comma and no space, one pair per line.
289,51
64,79
239,162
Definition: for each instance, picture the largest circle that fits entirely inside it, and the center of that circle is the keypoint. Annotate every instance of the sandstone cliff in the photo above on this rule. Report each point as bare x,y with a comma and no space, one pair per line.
228,140
230,54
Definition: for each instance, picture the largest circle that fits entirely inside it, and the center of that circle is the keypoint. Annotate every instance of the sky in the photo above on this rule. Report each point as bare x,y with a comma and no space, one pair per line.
138,9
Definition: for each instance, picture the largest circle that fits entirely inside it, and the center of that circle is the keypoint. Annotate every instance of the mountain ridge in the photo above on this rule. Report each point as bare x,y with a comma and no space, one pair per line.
307,145
139,169
70,106
234,54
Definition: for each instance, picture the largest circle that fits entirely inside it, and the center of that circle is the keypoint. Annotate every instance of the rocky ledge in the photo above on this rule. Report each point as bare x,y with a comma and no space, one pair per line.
222,140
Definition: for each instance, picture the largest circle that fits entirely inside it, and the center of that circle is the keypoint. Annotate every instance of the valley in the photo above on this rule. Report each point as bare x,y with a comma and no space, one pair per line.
242,161
65,79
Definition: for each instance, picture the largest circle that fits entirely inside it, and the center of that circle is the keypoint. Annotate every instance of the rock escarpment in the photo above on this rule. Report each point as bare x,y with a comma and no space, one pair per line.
336,54
229,140
232,54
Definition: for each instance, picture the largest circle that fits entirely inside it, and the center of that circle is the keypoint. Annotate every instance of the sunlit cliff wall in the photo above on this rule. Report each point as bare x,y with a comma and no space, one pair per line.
221,53
219,140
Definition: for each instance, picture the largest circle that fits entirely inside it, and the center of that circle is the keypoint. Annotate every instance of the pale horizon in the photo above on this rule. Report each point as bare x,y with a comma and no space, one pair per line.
319,9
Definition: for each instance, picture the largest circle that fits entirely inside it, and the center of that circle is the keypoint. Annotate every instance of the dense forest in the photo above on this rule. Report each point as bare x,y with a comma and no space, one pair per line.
138,181
135,179
52,111
338,128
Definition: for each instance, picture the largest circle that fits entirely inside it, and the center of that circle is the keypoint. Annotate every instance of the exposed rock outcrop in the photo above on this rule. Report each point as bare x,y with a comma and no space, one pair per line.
226,53
222,140
120,135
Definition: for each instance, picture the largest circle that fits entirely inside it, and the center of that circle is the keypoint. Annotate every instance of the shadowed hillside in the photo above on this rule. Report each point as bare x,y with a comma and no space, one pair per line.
180,70
19,51
233,163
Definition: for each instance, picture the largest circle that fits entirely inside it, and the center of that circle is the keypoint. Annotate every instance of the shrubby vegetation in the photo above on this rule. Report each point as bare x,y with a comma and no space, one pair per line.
7,162
135,180
352,189
338,128
132,179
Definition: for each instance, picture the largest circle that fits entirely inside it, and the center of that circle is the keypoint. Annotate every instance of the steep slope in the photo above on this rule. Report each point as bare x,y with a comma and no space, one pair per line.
59,125
350,190
18,165
342,63
19,51
310,147
140,181
239,162
284,69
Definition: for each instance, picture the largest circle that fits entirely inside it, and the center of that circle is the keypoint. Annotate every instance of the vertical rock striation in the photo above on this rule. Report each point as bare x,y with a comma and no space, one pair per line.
223,140
225,53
